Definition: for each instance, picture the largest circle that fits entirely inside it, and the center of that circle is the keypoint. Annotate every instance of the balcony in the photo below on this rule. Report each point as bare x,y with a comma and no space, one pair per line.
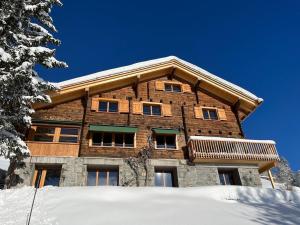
53,149
230,150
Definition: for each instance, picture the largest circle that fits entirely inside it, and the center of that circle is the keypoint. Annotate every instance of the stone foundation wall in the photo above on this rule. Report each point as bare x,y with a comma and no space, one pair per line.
74,171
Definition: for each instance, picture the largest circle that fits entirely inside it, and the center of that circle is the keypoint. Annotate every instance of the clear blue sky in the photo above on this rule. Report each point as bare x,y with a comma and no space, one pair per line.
255,44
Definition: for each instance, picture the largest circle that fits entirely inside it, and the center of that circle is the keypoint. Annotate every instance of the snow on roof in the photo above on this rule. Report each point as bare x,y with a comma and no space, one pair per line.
209,138
145,64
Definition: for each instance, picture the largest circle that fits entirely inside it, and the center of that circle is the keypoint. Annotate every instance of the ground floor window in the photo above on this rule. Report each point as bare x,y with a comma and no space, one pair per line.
44,176
102,177
165,178
229,177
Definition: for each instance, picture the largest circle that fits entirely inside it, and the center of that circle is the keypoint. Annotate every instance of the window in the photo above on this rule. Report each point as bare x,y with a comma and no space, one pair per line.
229,177
44,176
103,177
165,141
44,134
210,114
164,178
107,106
123,140
56,134
154,110
172,87
68,134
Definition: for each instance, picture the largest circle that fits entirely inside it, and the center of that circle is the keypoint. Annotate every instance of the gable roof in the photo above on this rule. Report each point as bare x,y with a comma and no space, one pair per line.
184,69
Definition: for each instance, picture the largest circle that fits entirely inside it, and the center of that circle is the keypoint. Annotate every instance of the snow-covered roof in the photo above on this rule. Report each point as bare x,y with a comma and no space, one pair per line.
209,138
149,63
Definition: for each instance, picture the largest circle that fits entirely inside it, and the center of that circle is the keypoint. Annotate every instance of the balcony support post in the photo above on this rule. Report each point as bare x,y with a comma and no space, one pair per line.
271,178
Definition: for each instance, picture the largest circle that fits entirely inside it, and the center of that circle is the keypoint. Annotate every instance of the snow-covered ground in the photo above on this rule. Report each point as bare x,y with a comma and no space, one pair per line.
144,206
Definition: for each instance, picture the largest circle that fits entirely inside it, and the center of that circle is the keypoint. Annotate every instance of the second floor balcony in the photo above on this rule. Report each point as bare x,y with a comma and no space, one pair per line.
230,150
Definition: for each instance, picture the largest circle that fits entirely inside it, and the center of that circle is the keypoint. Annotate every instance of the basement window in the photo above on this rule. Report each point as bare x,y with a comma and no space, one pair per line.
210,114
103,177
172,87
46,175
165,178
229,177
152,110
108,106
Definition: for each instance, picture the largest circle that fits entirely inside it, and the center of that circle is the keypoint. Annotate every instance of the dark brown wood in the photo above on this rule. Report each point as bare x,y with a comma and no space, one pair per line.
235,109
196,88
75,110
85,101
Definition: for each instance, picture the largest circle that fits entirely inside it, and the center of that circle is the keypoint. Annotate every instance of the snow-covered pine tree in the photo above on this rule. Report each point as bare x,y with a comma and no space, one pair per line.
25,37
284,174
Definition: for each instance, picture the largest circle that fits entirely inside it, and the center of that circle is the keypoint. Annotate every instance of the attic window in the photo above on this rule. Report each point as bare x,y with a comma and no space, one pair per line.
172,87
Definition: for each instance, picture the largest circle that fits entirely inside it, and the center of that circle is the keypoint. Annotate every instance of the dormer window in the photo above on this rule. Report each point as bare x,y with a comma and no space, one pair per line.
172,87
153,110
108,106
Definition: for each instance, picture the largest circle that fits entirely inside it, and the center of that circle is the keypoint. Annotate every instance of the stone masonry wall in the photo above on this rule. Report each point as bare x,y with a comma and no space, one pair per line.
74,171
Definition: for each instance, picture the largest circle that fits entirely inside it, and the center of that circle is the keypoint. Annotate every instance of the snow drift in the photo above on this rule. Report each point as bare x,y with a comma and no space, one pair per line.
151,205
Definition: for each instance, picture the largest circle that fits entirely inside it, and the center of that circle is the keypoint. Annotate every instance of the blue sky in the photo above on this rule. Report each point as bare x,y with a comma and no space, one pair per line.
254,44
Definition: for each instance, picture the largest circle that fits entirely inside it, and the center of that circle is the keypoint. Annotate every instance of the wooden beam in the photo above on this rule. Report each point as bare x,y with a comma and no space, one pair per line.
172,74
271,178
196,87
135,85
267,167
235,109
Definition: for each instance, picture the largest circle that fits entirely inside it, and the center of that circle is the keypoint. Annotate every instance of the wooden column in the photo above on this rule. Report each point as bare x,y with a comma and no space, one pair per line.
271,178
85,101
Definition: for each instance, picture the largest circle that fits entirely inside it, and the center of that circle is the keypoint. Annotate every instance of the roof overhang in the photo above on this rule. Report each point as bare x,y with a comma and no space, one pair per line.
124,76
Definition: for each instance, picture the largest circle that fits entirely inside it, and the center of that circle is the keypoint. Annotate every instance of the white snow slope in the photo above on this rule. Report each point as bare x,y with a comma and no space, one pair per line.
144,206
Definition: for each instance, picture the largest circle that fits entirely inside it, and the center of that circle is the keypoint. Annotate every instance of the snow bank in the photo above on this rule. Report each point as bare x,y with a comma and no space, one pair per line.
151,205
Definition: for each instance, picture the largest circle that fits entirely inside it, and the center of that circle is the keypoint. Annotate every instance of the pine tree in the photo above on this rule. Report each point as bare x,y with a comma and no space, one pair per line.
284,173
25,37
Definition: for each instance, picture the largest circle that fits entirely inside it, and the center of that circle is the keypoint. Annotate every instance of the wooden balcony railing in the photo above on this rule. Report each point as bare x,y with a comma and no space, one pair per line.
217,149
53,149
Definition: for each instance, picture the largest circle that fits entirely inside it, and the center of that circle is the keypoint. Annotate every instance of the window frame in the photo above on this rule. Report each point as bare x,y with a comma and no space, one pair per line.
163,172
42,177
151,108
165,142
172,87
108,102
56,135
234,176
107,171
209,109
113,143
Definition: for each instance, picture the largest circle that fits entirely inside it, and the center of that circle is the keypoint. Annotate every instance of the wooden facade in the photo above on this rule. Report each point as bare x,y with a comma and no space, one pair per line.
181,106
